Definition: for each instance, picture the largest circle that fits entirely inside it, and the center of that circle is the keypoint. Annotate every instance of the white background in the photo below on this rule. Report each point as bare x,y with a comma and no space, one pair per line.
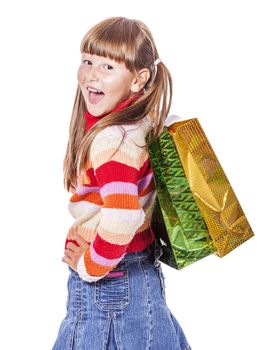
218,54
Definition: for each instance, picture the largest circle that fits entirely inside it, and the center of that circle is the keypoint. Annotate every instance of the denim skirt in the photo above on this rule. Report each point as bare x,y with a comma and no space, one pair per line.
126,310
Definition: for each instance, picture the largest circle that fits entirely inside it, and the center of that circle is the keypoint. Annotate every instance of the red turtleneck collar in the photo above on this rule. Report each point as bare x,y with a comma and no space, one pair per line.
91,120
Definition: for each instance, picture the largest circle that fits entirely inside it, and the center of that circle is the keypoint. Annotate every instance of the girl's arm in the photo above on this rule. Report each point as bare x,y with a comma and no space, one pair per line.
121,214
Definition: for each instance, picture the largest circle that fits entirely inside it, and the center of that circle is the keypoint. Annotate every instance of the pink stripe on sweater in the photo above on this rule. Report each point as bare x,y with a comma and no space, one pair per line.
144,182
86,189
98,259
118,187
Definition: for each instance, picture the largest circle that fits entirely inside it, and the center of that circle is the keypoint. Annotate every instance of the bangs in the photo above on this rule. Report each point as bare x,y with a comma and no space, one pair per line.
114,38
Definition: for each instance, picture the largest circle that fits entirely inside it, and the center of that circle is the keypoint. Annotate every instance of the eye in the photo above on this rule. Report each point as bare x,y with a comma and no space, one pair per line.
87,61
108,66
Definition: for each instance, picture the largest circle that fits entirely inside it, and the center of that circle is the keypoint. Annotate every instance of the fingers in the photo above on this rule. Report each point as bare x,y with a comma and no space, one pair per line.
84,244
70,259
67,260
73,252
72,256
71,246
69,253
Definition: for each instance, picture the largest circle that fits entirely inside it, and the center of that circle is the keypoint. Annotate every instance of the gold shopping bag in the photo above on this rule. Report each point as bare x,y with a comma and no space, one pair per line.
214,196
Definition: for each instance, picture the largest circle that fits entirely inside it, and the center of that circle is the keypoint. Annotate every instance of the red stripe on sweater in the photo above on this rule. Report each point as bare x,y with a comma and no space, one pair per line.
146,169
115,171
139,242
107,249
90,173
151,187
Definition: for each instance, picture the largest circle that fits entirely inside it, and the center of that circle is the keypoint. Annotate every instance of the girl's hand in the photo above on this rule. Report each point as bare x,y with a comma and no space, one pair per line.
73,252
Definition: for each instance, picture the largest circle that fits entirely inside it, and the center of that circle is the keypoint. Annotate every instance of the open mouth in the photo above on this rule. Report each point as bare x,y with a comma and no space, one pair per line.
94,95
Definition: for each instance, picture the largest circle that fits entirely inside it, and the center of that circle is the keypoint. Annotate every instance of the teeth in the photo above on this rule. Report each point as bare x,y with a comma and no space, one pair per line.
94,90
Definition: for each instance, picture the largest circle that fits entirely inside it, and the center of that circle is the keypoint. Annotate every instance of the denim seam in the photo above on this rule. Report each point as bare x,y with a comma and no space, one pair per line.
162,281
79,298
118,347
78,317
149,307
107,334
71,339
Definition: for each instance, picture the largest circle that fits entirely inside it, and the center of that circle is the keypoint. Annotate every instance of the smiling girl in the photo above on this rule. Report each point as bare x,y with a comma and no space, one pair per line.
116,291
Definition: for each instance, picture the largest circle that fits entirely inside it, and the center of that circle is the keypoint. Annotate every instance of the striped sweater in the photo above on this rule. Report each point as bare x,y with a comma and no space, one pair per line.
113,212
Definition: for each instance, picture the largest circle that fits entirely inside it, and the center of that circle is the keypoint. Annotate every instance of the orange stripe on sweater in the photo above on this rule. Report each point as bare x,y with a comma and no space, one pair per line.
94,269
121,201
92,197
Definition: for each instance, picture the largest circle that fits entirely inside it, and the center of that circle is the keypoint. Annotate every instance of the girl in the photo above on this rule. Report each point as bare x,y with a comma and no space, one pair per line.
116,291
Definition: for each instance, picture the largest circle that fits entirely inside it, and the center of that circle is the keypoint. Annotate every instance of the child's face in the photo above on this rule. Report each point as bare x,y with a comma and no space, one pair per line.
104,83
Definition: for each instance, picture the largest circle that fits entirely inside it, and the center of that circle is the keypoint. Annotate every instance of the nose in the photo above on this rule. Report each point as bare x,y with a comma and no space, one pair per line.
92,73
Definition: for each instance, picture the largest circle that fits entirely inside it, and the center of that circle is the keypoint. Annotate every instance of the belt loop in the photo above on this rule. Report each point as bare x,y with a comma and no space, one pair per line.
157,252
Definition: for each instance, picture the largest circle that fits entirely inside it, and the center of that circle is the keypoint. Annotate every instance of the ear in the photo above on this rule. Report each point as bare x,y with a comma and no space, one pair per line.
140,80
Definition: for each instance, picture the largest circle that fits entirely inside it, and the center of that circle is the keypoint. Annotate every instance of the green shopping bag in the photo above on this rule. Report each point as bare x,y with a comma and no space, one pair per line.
176,221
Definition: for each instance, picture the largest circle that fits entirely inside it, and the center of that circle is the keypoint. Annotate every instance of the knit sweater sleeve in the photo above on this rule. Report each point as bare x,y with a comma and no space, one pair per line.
116,170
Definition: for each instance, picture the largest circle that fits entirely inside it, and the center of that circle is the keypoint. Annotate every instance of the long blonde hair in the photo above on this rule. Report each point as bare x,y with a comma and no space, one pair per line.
129,41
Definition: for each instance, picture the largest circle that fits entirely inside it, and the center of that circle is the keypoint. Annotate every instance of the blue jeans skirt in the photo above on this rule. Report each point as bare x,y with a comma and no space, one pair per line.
126,311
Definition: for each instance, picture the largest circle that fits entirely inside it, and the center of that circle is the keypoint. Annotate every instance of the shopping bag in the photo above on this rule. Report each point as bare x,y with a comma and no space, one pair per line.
211,189
176,221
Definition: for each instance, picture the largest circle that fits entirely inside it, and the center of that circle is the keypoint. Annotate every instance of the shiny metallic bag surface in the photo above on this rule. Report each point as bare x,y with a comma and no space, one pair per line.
196,212
177,221
220,208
